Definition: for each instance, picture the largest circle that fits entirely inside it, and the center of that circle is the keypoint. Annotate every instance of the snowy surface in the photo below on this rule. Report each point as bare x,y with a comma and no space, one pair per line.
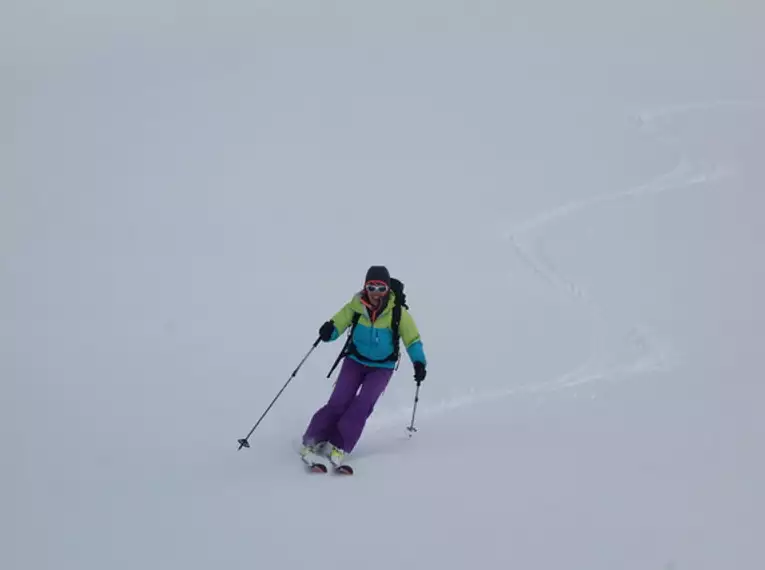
572,192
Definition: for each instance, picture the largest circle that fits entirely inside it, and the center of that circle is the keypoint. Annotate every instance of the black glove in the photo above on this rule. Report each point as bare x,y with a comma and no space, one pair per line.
419,372
326,331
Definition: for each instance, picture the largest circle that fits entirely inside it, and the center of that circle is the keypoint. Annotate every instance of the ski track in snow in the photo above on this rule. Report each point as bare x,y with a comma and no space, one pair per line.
649,353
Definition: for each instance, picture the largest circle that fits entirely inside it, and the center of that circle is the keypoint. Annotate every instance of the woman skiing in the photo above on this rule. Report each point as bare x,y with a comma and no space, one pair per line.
369,362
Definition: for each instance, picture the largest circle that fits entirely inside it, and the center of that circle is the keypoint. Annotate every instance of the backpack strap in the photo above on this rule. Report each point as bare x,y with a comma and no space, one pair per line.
348,342
398,288
395,324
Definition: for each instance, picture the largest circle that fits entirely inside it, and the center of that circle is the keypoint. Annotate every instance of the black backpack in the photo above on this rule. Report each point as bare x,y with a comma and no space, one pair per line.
349,348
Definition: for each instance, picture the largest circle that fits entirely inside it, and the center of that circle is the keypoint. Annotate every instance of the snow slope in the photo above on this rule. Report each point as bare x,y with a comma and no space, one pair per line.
571,193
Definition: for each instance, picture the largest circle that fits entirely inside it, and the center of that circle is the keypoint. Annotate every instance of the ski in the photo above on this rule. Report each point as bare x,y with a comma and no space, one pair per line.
316,467
344,470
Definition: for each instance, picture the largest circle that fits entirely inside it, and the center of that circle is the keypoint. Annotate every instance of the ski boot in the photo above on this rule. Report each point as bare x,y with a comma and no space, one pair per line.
312,456
337,458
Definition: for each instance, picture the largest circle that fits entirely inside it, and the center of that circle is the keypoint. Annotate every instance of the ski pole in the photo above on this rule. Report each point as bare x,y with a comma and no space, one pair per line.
411,427
244,441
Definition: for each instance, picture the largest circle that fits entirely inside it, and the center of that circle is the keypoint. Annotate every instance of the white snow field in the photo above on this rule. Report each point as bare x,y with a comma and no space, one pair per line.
573,194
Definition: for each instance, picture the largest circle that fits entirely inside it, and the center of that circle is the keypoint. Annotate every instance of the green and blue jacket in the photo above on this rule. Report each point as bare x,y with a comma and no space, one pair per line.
373,335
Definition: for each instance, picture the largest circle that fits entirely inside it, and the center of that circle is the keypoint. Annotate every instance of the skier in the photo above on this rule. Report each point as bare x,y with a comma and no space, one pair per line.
368,364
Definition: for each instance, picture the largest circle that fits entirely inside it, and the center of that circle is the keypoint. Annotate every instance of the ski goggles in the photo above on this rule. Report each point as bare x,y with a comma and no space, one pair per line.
376,287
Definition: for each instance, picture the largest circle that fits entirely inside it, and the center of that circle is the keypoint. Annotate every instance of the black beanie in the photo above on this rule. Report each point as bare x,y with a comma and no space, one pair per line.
378,273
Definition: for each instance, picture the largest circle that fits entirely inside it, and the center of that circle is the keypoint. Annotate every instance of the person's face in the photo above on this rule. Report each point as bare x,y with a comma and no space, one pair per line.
376,290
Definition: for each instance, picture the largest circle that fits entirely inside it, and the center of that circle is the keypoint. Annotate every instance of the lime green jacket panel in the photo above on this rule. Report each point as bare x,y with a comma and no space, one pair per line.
344,317
408,329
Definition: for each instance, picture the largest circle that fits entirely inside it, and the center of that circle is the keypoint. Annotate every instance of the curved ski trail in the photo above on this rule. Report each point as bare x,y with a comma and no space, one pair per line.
649,352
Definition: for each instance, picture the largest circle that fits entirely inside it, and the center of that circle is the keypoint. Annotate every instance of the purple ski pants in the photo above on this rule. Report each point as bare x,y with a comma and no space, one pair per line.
341,420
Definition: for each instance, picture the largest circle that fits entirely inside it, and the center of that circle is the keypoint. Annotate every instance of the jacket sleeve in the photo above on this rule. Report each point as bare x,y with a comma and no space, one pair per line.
342,319
411,337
